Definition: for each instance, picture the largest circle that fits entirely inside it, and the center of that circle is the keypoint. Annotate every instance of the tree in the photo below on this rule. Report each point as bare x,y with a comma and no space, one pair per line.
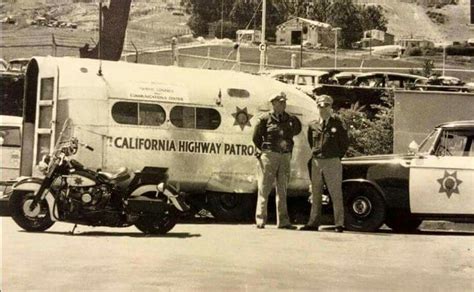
372,17
205,12
321,10
344,14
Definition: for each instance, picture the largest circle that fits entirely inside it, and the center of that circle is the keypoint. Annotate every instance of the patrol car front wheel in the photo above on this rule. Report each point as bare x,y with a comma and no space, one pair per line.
364,208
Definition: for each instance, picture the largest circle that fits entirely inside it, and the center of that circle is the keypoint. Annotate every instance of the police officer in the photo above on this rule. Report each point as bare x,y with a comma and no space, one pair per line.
273,137
328,140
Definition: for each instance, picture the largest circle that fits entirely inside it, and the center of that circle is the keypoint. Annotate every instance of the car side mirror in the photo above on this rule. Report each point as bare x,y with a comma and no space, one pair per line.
413,147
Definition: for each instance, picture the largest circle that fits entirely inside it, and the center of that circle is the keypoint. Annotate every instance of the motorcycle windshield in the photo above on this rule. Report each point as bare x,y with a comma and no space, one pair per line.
65,136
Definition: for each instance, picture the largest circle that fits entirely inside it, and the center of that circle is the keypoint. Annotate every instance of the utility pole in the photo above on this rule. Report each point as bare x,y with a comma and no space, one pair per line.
262,41
335,45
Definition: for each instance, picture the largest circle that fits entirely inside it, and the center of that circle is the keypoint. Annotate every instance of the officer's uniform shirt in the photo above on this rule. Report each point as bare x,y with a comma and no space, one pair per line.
275,133
329,139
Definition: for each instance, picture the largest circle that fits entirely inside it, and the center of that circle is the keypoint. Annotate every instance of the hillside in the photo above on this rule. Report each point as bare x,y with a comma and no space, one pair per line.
151,24
405,19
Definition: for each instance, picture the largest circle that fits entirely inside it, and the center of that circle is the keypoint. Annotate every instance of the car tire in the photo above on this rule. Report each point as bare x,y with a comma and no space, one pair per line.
364,208
232,207
402,223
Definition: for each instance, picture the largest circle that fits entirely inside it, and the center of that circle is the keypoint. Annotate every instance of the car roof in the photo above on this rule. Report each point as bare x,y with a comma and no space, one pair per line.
457,124
391,73
20,60
295,71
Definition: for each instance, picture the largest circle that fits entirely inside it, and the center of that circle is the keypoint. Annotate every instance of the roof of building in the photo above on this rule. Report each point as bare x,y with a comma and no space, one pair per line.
309,21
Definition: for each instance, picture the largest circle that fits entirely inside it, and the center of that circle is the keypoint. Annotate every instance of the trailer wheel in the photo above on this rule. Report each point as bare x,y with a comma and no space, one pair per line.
232,207
364,208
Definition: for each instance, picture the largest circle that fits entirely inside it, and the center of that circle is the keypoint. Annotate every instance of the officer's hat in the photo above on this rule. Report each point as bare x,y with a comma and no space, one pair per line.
324,100
277,97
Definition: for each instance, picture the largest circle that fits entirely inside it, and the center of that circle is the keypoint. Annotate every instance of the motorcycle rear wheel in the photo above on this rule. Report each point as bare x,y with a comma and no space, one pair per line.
158,223
37,221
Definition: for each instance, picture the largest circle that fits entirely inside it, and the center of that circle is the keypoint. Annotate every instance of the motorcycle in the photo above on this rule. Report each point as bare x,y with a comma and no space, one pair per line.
70,192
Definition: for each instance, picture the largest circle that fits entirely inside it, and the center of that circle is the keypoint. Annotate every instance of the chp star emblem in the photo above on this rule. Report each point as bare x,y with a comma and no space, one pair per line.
242,117
449,183
78,181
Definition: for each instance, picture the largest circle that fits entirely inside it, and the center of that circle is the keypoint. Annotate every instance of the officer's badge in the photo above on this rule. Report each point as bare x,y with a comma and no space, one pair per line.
333,130
449,183
242,118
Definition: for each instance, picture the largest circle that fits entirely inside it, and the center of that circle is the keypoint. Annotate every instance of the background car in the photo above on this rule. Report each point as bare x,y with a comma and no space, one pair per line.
18,65
443,83
303,79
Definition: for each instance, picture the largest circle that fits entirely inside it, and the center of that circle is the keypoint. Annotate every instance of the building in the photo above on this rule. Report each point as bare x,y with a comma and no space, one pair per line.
301,30
409,43
375,37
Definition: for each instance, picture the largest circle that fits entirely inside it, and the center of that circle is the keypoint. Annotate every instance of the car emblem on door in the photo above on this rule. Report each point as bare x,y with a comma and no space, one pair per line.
449,183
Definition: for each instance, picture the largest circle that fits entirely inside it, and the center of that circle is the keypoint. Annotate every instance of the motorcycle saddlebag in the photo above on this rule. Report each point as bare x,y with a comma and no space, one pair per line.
146,205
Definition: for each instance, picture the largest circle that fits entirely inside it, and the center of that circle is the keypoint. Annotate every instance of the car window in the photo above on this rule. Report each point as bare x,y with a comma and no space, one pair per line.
455,143
305,80
427,144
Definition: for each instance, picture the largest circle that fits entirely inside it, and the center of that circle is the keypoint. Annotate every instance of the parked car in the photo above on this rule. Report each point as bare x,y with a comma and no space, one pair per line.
443,83
367,89
303,79
386,80
18,65
433,181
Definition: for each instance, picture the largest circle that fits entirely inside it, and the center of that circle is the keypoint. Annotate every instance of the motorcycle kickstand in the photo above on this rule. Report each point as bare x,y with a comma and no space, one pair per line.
74,228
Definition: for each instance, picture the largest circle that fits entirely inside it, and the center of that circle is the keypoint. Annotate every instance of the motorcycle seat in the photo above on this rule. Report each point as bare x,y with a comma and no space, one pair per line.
121,174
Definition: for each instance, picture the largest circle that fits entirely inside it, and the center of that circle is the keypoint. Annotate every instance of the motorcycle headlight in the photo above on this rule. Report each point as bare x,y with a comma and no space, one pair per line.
160,187
43,164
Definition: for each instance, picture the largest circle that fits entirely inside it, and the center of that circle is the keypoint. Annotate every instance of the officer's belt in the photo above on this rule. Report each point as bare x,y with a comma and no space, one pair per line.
269,147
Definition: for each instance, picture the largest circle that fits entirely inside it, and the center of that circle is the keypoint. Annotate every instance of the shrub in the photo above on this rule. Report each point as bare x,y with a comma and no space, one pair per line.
369,136
414,52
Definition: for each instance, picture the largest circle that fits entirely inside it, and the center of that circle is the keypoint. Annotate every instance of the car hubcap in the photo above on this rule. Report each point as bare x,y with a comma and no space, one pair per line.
361,206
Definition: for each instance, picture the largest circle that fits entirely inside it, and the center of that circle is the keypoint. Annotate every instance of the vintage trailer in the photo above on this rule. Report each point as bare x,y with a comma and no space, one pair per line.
198,123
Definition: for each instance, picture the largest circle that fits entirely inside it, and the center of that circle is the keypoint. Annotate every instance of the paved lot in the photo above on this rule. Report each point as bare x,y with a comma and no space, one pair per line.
219,257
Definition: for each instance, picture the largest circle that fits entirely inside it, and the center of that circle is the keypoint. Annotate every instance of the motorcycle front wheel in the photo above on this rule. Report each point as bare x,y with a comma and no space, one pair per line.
30,220
158,223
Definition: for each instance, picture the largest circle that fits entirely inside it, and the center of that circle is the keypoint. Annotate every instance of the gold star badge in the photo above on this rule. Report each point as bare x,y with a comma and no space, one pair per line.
449,183
242,117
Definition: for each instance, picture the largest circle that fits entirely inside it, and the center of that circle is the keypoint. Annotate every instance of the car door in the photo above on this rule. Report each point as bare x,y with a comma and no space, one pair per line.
443,183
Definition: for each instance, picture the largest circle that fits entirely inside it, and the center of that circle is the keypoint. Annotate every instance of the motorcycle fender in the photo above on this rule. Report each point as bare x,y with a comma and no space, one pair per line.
28,184
33,184
144,189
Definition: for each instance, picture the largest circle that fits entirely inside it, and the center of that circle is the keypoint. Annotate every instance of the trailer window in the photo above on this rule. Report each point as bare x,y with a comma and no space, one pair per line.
195,118
132,113
10,136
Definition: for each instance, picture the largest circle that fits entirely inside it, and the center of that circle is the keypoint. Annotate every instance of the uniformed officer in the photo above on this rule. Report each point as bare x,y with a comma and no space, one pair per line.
273,137
329,141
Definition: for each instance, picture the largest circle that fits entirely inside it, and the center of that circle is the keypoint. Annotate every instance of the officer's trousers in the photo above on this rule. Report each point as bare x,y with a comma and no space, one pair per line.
273,166
331,170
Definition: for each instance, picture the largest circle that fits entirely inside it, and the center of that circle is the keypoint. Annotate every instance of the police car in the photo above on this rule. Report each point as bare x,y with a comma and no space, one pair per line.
434,182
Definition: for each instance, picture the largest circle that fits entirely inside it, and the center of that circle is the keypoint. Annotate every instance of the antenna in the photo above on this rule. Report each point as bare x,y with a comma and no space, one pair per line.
100,39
